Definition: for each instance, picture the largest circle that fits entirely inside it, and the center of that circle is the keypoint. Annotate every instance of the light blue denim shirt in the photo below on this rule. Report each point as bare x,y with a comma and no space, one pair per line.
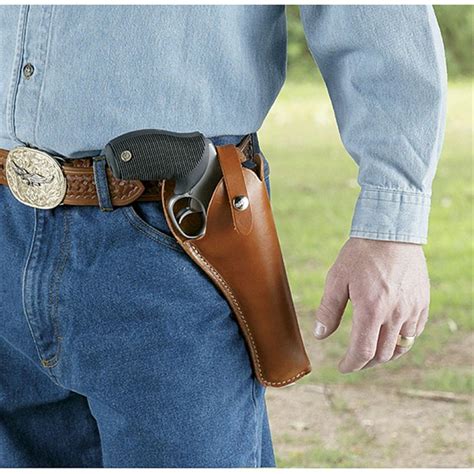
73,77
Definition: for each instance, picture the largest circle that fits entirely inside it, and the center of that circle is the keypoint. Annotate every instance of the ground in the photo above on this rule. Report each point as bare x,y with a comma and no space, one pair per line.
334,420
373,425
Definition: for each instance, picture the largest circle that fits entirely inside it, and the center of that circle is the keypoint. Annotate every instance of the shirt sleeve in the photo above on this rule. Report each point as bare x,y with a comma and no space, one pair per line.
385,70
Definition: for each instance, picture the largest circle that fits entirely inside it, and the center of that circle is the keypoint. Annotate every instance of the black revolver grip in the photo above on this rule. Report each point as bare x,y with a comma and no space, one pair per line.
152,155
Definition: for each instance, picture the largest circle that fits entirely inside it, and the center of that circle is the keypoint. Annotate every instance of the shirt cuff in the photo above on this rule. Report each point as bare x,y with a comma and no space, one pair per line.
388,214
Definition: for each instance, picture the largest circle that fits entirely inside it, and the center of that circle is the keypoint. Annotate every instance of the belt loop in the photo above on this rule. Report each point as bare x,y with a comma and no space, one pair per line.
255,143
101,183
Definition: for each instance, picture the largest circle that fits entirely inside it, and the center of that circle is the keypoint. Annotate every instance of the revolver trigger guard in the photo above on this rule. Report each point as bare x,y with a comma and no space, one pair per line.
178,216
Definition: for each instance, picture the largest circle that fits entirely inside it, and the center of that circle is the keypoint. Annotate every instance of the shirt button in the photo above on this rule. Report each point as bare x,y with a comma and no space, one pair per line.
28,70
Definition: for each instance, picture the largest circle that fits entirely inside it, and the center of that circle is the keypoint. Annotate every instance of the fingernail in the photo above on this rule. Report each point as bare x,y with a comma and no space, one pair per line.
319,329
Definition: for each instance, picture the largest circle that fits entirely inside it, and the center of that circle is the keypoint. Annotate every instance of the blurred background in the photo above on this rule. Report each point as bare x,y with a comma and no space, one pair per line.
417,411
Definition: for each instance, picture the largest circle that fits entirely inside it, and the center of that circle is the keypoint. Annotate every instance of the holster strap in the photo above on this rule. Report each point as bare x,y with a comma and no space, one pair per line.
229,159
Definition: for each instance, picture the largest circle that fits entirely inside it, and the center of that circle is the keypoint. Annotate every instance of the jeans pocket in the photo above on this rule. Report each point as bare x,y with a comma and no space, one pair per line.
148,219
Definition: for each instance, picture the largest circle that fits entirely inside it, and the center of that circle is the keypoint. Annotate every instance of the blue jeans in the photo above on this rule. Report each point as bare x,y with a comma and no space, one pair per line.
115,349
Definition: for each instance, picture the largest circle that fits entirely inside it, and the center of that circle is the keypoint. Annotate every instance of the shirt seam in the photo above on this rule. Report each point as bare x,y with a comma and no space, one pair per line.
16,73
417,236
394,190
45,58
421,203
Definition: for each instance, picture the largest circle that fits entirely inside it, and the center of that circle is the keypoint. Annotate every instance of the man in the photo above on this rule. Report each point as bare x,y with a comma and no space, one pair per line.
116,349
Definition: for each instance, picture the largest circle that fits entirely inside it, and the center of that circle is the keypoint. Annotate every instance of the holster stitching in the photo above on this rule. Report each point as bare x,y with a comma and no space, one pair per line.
242,317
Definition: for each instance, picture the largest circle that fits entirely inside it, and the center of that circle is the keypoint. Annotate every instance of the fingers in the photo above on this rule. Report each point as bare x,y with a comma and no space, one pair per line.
363,343
333,303
408,329
413,327
422,320
387,344
385,347
388,285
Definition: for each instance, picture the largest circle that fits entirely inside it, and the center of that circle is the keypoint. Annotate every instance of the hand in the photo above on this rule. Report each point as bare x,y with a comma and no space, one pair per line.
388,285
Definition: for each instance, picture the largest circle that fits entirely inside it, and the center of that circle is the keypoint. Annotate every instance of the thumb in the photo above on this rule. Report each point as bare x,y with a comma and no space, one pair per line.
332,306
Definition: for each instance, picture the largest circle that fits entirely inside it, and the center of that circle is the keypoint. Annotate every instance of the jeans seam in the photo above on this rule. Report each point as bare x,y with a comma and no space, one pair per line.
24,283
53,296
255,412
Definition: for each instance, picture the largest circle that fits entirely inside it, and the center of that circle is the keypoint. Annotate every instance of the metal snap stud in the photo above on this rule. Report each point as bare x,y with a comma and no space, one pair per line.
126,155
240,203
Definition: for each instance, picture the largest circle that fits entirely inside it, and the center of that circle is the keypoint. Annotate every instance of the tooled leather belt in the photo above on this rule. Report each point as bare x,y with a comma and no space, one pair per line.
81,188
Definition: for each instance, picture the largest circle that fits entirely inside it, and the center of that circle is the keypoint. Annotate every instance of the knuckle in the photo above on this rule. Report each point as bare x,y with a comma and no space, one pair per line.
365,354
331,279
373,314
410,329
372,309
329,300
398,316
365,320
365,327
334,272
326,310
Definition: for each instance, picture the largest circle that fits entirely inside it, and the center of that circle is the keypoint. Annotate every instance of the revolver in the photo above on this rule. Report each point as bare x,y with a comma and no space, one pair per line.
190,159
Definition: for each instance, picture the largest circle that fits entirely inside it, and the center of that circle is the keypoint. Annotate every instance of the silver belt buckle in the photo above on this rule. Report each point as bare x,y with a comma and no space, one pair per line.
35,178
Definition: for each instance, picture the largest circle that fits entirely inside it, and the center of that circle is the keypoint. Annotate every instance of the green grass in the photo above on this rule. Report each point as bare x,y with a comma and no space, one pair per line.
314,190
319,457
299,455
453,379
353,443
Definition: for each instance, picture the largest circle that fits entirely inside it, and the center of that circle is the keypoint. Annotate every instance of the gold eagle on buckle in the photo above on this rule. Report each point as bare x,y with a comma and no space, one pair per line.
35,178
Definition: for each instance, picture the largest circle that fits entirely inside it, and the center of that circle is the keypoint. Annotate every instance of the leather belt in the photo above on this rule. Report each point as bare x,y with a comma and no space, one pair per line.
80,184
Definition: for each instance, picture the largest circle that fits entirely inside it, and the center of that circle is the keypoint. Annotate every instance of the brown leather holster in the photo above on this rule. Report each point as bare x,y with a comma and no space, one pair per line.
241,254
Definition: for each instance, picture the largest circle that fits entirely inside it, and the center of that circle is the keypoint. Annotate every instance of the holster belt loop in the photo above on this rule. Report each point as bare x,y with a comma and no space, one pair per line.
100,177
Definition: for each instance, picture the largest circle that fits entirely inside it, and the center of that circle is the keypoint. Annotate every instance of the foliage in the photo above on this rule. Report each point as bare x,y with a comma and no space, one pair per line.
455,21
456,24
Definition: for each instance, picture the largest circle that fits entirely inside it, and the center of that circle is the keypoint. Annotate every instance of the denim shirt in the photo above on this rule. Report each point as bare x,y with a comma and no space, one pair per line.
73,77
